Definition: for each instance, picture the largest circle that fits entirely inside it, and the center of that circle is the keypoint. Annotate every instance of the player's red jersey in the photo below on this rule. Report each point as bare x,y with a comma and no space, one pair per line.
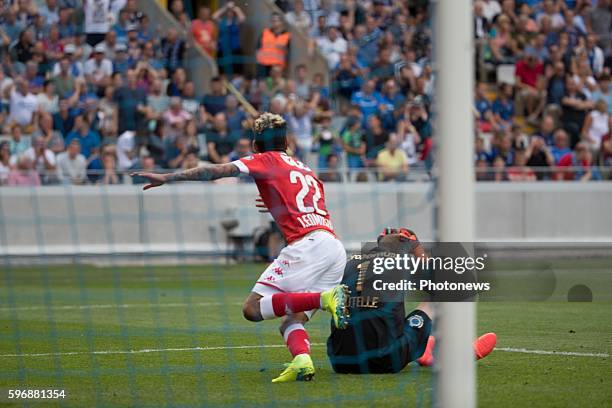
291,192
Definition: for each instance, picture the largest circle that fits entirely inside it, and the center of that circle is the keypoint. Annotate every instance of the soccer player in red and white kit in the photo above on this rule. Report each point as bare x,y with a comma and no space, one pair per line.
307,273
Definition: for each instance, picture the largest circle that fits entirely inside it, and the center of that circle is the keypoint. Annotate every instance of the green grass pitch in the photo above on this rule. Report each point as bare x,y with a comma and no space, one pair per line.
74,328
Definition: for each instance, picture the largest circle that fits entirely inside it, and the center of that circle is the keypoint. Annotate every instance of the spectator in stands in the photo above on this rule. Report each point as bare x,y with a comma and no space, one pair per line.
147,163
604,91
502,46
23,106
229,18
23,174
220,141
97,21
18,144
368,99
556,84
578,165
98,69
109,164
204,31
52,138
173,50
241,149
214,102
561,145
391,162
71,164
332,46
235,115
131,104
503,107
596,126
273,46
298,17
327,139
574,109
300,129
539,157
376,138
354,143
499,169
547,129
21,51
330,172
5,165
42,159
89,140
64,81
519,171
176,117
63,119
529,75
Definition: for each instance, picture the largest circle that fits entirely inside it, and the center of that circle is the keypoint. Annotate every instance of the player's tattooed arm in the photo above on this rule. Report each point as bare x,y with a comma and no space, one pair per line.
204,172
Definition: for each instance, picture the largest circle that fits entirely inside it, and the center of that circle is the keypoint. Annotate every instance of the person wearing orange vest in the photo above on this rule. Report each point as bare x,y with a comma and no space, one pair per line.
273,49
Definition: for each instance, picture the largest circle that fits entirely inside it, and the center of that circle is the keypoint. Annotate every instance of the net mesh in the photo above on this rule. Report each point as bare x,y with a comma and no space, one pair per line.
125,298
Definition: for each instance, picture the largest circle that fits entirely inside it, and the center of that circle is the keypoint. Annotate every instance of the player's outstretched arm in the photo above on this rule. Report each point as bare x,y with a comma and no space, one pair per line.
204,172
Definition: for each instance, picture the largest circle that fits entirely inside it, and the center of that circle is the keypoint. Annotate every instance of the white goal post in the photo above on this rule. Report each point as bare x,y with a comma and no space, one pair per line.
454,73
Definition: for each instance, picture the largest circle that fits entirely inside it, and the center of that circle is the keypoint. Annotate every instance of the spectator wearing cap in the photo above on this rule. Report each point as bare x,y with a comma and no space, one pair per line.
71,164
273,46
75,66
529,72
204,31
332,46
98,69
121,63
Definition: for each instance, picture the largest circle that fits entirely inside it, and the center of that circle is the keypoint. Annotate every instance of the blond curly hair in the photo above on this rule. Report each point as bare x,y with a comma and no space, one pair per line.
268,120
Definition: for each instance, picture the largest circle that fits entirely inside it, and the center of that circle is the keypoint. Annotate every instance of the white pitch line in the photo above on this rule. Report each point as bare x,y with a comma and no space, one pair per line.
113,306
144,351
551,353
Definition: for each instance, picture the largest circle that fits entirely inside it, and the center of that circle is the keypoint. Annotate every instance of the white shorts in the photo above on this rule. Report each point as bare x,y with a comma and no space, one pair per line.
313,264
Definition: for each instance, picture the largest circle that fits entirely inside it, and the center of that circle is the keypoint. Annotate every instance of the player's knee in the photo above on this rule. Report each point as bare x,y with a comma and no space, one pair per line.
251,312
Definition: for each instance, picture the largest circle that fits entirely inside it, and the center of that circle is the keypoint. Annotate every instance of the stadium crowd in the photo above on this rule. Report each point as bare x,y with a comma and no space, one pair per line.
90,90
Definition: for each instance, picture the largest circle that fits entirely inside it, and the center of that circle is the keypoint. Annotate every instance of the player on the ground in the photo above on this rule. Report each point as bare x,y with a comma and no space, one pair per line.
381,338
306,274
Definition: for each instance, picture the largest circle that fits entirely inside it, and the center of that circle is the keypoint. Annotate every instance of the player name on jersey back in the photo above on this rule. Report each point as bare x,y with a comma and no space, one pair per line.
291,192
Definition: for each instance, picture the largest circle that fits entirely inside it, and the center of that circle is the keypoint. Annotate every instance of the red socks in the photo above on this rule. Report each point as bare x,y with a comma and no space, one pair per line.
297,340
281,304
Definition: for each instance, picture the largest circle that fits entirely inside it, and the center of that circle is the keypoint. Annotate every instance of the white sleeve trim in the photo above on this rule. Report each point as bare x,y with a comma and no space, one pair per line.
241,166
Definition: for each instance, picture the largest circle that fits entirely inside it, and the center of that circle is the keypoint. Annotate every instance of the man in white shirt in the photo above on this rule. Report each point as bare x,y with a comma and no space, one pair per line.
332,46
125,150
98,68
71,164
23,104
